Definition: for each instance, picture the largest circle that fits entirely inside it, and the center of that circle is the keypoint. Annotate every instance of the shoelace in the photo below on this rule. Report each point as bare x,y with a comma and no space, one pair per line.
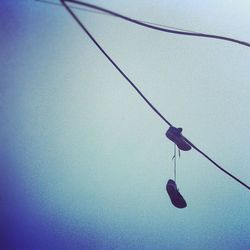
174,159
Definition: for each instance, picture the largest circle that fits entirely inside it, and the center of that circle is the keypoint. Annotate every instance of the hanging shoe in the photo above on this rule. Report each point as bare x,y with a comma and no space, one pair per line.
174,134
175,197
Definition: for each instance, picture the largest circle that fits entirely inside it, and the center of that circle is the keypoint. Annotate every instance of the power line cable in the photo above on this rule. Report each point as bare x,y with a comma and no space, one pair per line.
108,14
141,94
115,65
157,27
160,27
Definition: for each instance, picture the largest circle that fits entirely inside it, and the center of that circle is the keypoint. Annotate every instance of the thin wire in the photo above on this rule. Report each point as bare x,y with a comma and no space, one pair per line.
217,165
174,159
157,27
151,25
74,7
145,99
108,14
115,65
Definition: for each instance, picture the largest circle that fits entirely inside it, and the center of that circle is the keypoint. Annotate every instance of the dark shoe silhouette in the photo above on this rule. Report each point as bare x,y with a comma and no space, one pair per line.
174,134
175,197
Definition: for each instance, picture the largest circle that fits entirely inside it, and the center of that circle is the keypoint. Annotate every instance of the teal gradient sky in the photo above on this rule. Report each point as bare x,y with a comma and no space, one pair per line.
84,161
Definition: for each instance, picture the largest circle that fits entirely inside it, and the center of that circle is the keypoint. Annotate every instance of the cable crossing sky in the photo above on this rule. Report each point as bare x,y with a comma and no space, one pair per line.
157,27
150,25
108,14
127,78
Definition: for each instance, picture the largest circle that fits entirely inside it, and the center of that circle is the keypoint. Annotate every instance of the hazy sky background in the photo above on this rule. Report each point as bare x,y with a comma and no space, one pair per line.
84,161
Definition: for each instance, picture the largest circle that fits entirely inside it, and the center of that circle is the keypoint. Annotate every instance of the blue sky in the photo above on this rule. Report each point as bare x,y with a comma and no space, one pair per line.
85,162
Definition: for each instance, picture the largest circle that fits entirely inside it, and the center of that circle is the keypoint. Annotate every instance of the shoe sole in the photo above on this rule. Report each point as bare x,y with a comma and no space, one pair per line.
175,197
